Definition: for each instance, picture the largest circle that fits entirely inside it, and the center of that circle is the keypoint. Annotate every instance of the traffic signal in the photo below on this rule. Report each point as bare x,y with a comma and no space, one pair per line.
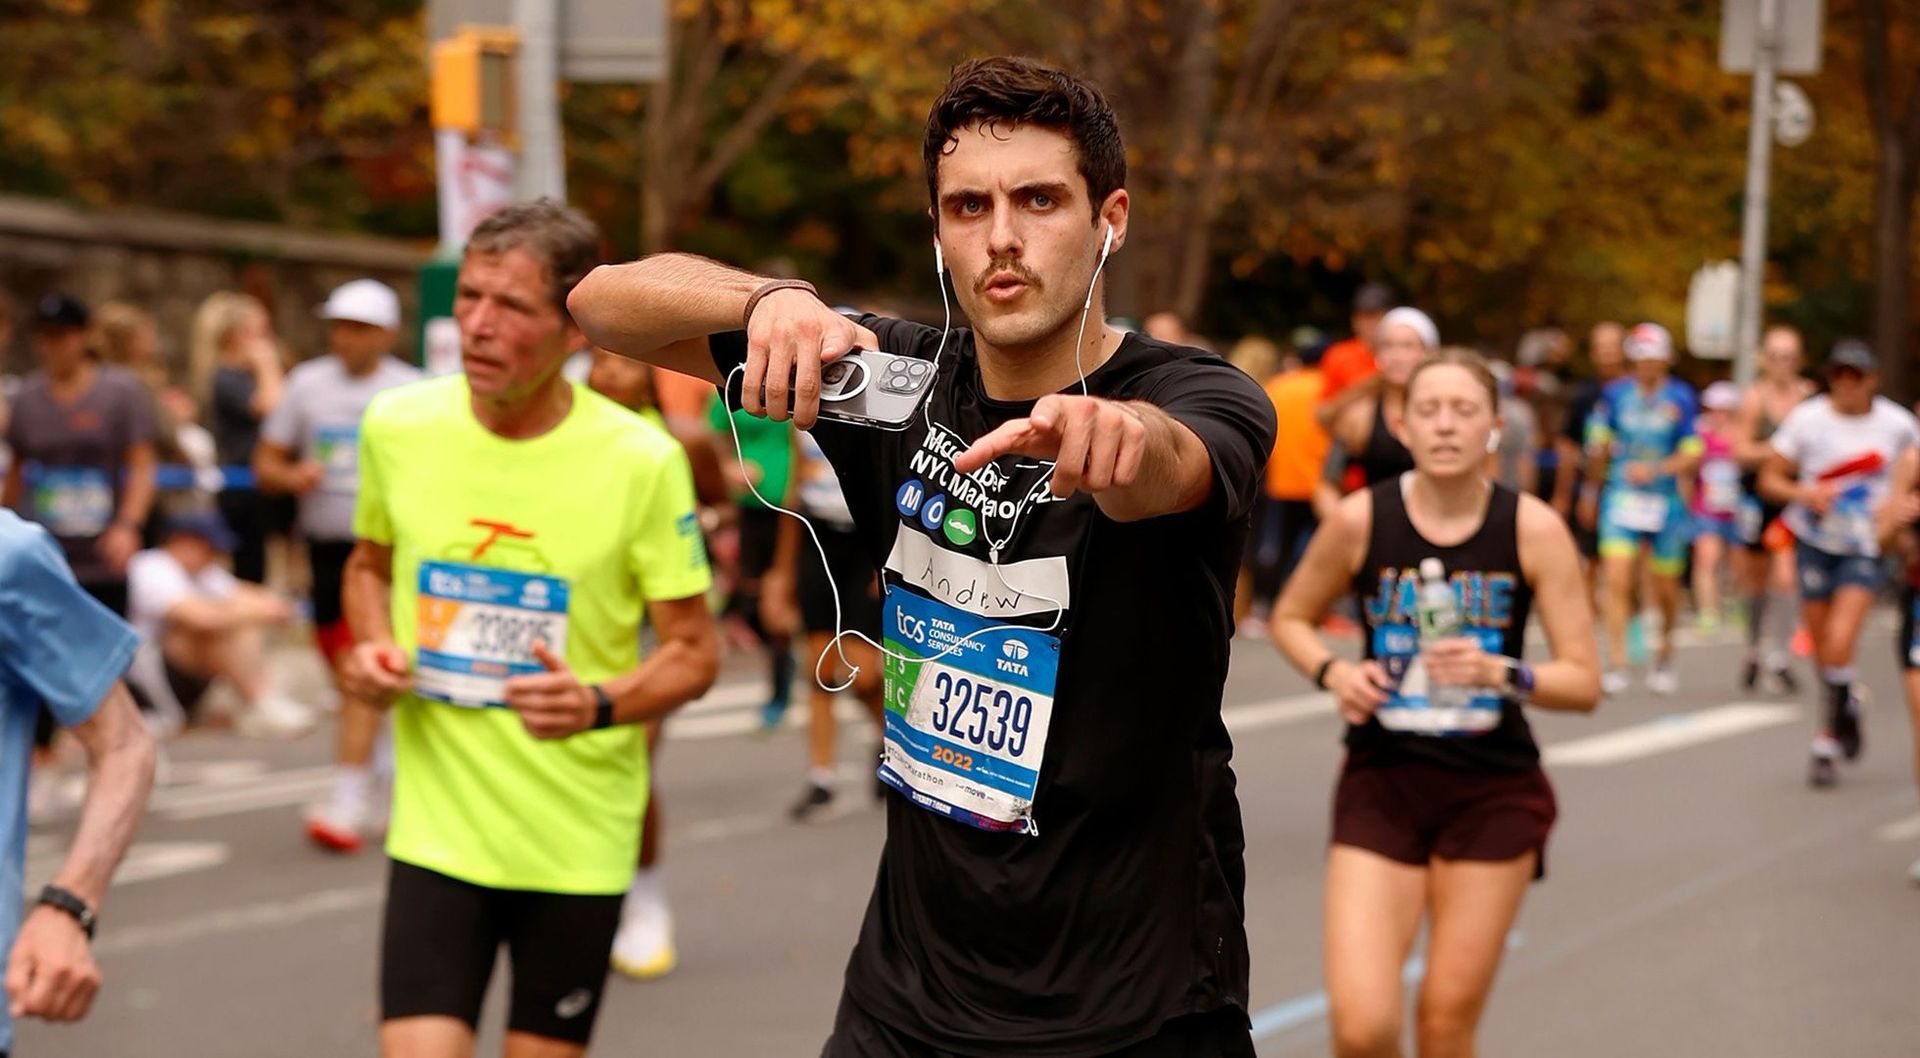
473,82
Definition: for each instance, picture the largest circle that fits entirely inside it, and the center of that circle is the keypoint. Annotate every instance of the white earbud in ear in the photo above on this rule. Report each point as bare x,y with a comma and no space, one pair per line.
1107,246
1493,441
939,260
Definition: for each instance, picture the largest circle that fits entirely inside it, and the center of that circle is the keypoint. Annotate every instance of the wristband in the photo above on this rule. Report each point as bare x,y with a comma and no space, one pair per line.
55,897
1320,674
753,302
602,707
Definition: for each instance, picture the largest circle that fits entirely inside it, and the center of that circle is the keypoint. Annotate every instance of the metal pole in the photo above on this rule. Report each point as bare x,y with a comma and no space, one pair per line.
542,169
1753,237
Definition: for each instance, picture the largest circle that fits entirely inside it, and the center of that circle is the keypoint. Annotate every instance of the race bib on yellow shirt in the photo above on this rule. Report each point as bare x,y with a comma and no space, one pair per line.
477,627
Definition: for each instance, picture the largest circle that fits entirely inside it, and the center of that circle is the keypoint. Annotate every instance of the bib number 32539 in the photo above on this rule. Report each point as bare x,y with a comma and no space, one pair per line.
966,723
477,627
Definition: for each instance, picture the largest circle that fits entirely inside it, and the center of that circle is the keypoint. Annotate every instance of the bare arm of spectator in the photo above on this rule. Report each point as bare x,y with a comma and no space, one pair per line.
51,973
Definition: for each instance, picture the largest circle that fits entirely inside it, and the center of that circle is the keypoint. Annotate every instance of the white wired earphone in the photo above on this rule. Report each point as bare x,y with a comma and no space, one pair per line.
994,546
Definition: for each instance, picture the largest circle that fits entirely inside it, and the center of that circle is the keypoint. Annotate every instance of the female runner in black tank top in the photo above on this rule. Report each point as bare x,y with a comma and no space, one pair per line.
1439,811
1361,419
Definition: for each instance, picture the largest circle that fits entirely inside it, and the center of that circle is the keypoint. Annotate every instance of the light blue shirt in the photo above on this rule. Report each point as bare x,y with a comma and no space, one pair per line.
58,648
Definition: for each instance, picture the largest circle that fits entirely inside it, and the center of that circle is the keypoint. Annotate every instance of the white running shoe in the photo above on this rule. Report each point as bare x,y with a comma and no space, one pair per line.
343,822
1614,682
337,826
644,946
274,716
1663,681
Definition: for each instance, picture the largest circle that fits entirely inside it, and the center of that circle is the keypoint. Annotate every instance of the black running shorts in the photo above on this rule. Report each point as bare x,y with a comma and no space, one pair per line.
853,576
441,935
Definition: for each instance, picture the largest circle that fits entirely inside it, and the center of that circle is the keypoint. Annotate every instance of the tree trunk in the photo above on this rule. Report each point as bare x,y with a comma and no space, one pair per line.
1893,269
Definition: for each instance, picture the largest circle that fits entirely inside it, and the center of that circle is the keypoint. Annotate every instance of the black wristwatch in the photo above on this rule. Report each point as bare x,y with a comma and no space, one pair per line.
54,896
602,707
1519,679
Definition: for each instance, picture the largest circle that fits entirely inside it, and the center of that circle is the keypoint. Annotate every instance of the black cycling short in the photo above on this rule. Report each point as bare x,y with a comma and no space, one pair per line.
853,575
328,561
441,935
1907,647
759,537
1221,1033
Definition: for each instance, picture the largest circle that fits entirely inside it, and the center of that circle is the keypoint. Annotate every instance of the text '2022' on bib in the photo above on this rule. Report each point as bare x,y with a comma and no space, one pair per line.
967,718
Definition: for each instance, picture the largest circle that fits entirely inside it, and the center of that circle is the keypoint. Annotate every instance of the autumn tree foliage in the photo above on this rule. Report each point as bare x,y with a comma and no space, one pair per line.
1504,163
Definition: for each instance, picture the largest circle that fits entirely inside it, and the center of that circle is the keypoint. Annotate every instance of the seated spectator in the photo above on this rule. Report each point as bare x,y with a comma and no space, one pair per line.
201,624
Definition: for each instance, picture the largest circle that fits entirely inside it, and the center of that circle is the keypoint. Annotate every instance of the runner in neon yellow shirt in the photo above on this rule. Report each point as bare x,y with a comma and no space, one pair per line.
513,528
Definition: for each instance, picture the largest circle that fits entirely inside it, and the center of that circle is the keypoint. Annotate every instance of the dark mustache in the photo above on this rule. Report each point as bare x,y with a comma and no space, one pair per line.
1011,264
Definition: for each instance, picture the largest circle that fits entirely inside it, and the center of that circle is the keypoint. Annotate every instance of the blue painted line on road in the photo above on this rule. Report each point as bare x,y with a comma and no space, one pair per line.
1301,1010
1290,1014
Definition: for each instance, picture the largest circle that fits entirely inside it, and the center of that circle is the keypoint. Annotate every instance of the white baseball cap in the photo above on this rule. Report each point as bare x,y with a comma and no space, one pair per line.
1649,341
364,301
1721,396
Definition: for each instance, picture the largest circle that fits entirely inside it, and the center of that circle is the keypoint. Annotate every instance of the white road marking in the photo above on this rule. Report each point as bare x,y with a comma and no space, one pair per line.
239,919
1900,829
211,772
1669,733
1291,709
271,790
146,861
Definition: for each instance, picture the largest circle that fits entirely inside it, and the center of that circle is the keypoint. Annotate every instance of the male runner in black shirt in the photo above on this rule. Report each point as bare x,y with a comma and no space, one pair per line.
1058,528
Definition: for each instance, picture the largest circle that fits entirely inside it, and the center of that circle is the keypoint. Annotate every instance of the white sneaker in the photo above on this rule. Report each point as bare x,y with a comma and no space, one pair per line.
1663,681
274,716
1614,682
337,826
644,946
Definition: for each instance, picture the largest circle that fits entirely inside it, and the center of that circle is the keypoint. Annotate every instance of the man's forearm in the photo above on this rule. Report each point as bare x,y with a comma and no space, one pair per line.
136,500
366,599
273,471
643,306
677,672
1176,471
119,777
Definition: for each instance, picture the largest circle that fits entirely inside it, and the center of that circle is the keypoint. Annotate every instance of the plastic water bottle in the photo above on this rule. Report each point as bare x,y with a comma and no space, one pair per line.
1440,618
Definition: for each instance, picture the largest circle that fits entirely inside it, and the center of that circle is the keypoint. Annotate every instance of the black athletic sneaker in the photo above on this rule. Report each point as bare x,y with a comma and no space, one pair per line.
1846,727
1789,683
1823,773
815,800
1750,674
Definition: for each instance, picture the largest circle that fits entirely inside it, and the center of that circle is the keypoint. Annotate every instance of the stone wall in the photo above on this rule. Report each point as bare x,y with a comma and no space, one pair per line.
166,263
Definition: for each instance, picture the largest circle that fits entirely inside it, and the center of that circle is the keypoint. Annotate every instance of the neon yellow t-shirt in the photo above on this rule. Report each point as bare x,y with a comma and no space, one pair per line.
561,537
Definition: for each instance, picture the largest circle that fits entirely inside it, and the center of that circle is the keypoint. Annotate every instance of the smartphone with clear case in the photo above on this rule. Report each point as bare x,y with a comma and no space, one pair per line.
867,387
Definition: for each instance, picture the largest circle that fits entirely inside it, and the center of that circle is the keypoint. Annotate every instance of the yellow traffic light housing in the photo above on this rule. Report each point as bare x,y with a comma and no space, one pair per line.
473,82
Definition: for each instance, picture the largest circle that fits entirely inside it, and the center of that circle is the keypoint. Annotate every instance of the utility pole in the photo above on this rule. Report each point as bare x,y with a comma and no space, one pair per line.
543,170
1753,236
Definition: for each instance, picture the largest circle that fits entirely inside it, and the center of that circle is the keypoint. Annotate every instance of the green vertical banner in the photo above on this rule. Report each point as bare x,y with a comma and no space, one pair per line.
437,343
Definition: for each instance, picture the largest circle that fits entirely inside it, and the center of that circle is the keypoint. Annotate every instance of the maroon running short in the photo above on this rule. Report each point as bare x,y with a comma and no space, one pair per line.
1413,812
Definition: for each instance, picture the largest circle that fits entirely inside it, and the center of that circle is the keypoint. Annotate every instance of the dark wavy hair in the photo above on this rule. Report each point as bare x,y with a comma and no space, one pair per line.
1017,91
560,237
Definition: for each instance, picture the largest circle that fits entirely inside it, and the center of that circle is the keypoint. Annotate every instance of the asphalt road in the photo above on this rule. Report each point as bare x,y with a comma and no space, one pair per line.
1701,900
